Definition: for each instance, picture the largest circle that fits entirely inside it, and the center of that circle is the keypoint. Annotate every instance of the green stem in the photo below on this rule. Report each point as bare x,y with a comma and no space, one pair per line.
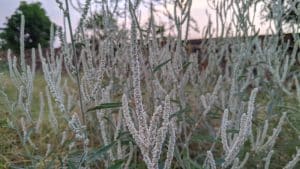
76,62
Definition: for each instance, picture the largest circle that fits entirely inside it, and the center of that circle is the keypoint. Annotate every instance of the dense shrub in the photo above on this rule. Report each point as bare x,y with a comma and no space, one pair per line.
127,101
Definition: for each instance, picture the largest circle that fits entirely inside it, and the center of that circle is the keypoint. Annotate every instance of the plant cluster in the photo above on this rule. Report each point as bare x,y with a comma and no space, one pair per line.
126,101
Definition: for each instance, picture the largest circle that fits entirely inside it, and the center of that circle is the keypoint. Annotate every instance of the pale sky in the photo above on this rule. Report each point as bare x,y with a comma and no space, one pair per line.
198,12
7,8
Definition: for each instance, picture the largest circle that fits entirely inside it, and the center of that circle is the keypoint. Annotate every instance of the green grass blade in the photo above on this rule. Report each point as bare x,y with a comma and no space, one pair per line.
158,67
117,164
106,106
99,153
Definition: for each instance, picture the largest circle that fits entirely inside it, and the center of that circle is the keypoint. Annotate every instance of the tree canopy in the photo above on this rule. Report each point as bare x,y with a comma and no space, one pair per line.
97,23
37,27
288,10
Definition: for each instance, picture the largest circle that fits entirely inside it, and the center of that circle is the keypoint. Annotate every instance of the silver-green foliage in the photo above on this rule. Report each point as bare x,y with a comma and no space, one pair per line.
160,87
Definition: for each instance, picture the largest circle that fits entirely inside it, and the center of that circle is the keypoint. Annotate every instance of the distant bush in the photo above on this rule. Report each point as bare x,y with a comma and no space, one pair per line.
36,28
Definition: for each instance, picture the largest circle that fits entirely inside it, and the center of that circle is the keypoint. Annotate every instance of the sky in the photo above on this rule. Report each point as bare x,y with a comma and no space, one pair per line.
198,12
7,8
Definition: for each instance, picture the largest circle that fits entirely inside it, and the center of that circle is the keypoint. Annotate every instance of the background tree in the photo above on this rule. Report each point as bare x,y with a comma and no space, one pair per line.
287,9
282,12
96,24
292,14
37,27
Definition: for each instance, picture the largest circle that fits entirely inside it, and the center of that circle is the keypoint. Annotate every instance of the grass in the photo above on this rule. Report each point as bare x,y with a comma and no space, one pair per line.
12,152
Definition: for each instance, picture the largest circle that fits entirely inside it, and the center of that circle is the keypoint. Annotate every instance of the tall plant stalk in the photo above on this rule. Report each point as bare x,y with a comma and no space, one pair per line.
77,73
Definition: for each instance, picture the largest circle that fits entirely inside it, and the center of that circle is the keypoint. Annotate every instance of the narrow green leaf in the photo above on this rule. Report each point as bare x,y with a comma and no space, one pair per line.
232,131
79,44
117,164
123,133
181,111
98,154
15,167
106,106
186,65
194,164
178,158
214,115
219,161
202,138
161,65
50,164
71,165
175,101
28,135
241,78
